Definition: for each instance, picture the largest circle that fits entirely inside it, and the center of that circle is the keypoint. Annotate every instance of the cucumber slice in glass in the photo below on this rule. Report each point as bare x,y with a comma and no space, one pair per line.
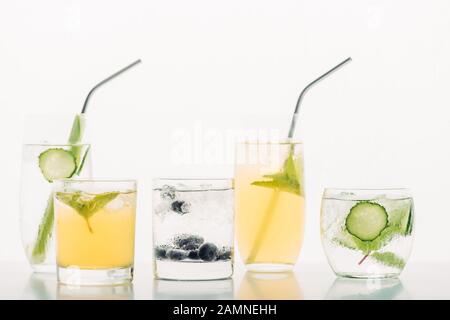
57,163
366,220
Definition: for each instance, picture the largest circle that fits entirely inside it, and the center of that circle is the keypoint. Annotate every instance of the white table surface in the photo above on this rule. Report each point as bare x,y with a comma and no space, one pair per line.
308,281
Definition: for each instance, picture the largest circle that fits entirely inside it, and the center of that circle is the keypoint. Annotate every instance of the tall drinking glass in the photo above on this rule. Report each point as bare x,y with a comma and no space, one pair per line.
95,223
41,163
269,204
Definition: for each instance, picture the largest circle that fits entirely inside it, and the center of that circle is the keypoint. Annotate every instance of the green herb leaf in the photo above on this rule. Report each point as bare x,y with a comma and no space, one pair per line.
349,241
345,239
85,205
287,180
399,223
384,238
389,259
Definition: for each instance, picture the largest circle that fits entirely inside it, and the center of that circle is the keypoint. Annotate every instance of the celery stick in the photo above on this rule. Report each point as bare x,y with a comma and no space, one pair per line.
46,227
44,233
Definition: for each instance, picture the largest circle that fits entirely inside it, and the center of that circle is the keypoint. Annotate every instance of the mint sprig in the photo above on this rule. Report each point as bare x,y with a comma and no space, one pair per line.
86,206
288,179
389,259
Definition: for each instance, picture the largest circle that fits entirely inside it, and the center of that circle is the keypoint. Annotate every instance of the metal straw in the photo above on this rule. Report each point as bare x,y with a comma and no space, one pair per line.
268,214
105,81
300,98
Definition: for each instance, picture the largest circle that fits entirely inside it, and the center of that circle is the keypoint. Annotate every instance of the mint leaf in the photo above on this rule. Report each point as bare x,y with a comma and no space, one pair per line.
384,238
288,179
349,241
86,206
389,259
345,239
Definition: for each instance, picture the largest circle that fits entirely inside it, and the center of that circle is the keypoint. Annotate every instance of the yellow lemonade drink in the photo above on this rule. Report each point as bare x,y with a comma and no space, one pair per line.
95,231
269,205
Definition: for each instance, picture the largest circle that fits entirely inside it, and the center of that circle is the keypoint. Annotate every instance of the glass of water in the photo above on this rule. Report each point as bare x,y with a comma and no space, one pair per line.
193,229
367,233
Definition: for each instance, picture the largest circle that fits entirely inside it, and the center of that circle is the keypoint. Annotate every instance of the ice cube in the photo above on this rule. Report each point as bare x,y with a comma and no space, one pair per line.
382,196
161,209
116,204
168,192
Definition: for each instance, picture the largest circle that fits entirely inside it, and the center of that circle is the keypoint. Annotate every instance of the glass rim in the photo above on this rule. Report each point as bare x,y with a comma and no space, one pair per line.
367,189
48,144
88,180
283,142
94,186
192,179
193,183
363,194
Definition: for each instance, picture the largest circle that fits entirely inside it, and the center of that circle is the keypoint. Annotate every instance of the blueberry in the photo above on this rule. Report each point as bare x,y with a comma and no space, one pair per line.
224,253
193,254
176,254
208,251
160,252
188,241
180,206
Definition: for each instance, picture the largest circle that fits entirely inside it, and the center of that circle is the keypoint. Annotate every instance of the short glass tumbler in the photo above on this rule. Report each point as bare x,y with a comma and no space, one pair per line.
367,233
193,229
95,223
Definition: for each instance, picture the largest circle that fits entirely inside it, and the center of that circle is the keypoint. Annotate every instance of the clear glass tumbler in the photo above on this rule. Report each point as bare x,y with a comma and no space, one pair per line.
193,229
40,163
367,233
95,224
270,204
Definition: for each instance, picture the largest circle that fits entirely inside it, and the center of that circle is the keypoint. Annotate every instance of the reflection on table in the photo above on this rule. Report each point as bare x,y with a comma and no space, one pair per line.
193,290
116,292
272,286
40,286
366,289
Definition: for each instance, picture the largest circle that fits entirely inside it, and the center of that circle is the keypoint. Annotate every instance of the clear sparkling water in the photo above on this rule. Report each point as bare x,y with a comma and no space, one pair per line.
193,227
346,261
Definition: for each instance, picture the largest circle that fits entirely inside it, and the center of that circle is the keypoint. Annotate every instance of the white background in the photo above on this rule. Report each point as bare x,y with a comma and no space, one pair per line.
214,67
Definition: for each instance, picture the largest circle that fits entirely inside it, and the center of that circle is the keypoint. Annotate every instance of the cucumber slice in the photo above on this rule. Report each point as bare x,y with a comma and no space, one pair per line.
57,163
366,220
